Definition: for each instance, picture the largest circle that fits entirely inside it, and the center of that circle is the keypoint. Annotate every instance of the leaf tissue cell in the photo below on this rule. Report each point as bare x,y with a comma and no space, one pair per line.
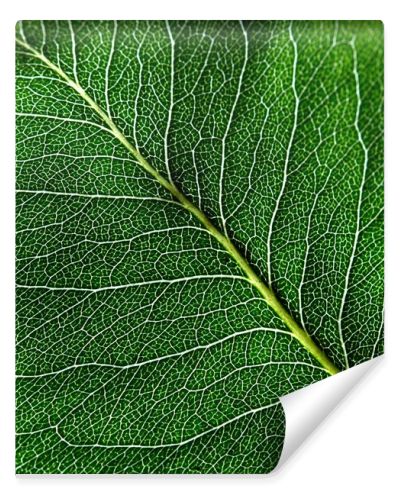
199,232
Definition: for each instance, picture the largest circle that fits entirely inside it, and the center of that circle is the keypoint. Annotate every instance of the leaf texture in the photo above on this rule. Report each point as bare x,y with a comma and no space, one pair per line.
142,346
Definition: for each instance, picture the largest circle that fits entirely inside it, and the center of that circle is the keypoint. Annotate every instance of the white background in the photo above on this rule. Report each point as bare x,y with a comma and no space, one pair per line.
355,452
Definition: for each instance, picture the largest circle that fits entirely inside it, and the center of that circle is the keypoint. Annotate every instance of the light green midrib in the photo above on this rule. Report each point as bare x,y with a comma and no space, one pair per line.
267,293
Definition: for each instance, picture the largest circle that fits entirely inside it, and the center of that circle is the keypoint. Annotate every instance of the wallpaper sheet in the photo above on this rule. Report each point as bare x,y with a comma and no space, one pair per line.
199,233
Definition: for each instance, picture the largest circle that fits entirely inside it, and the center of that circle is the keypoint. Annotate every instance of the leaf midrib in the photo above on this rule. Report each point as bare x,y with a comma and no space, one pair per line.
266,292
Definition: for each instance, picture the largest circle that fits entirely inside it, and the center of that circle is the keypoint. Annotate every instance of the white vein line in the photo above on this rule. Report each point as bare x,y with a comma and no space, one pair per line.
81,403
76,157
254,162
107,196
161,358
111,325
113,409
40,77
373,219
54,318
199,130
285,169
55,38
133,285
140,76
75,60
171,104
41,134
335,33
323,59
168,445
60,223
307,242
42,27
63,119
106,85
257,365
360,193
378,336
223,152
365,277
21,31
170,321
128,240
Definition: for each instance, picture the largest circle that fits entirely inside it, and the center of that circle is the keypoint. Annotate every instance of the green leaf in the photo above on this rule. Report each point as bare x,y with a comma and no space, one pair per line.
199,232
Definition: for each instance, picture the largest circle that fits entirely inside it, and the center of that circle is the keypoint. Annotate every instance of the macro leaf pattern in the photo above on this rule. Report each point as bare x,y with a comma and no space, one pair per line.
199,212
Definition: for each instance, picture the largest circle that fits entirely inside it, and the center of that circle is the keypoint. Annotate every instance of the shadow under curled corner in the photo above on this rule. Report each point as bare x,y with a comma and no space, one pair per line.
307,408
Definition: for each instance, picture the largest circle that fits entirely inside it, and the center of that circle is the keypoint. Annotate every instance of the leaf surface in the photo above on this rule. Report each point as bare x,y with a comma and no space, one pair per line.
148,153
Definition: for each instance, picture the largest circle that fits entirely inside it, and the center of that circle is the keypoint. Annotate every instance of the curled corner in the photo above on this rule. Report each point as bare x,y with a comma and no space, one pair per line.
307,408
